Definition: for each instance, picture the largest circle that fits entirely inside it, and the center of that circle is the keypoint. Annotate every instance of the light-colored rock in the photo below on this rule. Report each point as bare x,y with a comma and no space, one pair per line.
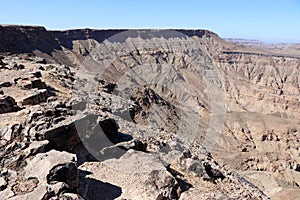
39,167
36,147
137,175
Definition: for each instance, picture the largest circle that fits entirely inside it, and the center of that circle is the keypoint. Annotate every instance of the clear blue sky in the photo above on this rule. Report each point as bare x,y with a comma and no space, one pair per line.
267,20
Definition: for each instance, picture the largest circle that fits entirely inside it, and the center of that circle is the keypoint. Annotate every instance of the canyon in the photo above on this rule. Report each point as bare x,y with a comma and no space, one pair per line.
146,114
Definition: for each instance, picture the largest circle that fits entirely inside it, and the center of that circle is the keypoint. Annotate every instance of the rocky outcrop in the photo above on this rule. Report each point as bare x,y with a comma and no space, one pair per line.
149,101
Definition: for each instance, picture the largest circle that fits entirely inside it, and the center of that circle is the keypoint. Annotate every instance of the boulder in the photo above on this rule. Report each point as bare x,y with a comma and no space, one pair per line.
7,104
37,97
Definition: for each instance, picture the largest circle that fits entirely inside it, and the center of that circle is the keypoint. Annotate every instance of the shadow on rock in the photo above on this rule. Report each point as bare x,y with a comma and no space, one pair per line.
92,189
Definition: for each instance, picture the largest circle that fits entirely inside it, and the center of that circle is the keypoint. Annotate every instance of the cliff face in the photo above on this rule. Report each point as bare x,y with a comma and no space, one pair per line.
194,115
65,47
27,39
56,46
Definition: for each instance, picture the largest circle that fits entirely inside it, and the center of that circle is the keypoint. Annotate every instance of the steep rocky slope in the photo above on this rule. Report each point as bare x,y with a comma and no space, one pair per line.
148,114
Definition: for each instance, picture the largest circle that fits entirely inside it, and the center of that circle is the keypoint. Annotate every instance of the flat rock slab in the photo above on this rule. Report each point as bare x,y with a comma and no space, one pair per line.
38,96
134,176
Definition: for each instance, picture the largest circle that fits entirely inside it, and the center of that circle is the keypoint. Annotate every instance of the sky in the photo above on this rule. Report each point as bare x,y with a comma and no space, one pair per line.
265,20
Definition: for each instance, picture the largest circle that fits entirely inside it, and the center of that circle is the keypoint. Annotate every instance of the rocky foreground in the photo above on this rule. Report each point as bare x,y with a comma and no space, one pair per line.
145,119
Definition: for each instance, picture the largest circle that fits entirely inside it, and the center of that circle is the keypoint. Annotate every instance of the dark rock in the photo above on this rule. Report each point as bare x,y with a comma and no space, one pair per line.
109,126
41,68
5,84
70,135
264,137
7,104
17,79
159,180
65,134
170,185
38,83
3,183
38,97
35,83
21,67
63,182
214,174
109,87
18,67
1,92
36,74
98,190
245,149
140,146
3,67
1,62
66,173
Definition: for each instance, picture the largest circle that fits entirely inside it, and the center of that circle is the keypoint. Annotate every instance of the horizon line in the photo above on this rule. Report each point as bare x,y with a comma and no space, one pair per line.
267,41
